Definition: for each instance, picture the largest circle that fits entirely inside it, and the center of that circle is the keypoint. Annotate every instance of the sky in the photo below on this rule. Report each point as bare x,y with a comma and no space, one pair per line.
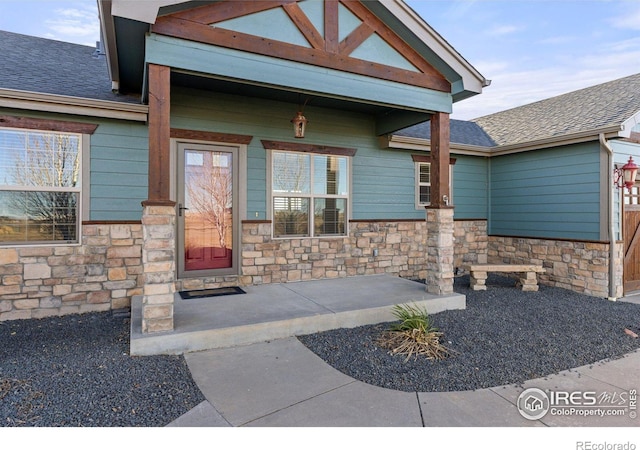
529,49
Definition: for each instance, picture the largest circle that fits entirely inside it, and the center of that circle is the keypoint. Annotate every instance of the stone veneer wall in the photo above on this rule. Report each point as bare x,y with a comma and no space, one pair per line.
106,270
397,247
471,242
101,274
577,266
401,248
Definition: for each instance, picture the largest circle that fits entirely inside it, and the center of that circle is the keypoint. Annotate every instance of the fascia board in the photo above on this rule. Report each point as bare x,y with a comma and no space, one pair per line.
72,105
575,138
412,143
424,145
472,79
142,11
107,28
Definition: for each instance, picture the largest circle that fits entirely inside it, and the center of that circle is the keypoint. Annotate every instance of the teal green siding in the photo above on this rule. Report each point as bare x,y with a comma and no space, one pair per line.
384,185
470,187
315,12
383,181
547,193
272,24
119,167
622,150
234,64
348,22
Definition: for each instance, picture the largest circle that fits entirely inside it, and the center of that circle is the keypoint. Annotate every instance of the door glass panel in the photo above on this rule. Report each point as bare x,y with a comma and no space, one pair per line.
208,209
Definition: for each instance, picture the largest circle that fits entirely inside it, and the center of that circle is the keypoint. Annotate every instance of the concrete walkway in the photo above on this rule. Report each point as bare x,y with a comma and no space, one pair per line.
283,384
258,375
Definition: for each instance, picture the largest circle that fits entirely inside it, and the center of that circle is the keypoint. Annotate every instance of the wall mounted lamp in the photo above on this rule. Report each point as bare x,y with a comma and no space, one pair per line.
299,125
626,175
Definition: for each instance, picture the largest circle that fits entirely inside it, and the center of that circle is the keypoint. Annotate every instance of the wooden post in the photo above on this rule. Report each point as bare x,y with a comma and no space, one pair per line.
159,136
440,226
331,36
158,213
440,156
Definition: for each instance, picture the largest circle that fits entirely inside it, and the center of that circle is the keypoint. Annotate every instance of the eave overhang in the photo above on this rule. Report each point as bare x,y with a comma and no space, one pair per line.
420,144
63,104
471,80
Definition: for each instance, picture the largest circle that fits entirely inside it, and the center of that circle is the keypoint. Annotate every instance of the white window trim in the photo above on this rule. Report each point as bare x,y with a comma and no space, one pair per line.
420,206
310,196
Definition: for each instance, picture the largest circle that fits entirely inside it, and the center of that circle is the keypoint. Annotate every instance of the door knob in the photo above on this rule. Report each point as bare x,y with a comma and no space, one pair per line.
180,209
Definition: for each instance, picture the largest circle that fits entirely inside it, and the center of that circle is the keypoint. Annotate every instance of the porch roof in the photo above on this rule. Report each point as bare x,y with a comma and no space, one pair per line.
131,21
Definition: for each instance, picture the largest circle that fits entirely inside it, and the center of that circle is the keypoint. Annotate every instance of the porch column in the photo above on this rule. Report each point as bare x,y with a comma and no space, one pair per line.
440,240
159,215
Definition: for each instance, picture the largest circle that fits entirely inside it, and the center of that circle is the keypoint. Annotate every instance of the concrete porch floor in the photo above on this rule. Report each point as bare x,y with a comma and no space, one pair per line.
277,311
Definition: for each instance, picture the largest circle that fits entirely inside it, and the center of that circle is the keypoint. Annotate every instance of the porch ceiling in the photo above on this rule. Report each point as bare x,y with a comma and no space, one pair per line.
388,119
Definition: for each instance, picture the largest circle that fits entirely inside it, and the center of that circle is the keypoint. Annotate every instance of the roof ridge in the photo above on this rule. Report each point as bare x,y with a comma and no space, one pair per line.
558,96
29,36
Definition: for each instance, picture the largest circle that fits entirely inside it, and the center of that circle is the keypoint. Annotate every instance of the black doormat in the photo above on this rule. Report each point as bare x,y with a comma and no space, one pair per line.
188,295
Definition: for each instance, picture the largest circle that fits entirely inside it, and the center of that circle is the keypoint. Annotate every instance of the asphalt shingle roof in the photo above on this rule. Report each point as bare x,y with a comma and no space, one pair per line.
586,109
462,132
40,65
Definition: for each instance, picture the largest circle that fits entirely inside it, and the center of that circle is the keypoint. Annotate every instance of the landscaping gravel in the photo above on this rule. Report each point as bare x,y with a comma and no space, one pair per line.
75,371
505,336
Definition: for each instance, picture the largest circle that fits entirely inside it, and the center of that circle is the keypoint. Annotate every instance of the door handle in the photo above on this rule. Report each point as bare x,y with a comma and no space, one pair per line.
180,209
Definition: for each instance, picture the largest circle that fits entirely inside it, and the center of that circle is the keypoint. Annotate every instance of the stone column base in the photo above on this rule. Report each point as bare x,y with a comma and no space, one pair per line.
158,259
440,252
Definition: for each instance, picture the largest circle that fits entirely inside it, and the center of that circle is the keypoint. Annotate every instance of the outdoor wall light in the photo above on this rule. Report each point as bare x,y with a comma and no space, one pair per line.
626,175
299,125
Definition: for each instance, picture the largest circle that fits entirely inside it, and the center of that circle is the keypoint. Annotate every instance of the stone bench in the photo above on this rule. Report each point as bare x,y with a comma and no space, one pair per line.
528,278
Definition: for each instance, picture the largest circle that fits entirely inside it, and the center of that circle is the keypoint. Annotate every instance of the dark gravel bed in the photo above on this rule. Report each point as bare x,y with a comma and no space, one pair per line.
505,336
75,371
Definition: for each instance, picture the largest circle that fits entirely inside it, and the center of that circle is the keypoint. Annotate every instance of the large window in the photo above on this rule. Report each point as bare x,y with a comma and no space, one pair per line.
40,186
310,194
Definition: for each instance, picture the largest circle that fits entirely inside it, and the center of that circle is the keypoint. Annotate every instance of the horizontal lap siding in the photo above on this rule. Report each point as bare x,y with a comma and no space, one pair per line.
470,194
384,185
119,165
551,193
382,181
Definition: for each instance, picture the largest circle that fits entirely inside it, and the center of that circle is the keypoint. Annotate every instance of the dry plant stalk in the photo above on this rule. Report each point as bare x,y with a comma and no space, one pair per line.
415,342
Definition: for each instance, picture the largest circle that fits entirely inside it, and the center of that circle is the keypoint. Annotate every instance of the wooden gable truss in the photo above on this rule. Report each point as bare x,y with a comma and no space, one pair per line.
326,50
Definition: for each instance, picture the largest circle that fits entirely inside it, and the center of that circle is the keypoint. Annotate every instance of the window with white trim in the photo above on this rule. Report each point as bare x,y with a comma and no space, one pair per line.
310,194
423,184
40,186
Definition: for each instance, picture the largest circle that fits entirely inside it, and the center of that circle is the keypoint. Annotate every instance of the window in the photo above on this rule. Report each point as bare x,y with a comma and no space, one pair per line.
309,194
423,180
40,186
423,184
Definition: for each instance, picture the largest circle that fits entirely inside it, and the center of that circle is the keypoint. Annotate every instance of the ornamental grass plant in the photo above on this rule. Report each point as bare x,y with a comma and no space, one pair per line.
413,335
